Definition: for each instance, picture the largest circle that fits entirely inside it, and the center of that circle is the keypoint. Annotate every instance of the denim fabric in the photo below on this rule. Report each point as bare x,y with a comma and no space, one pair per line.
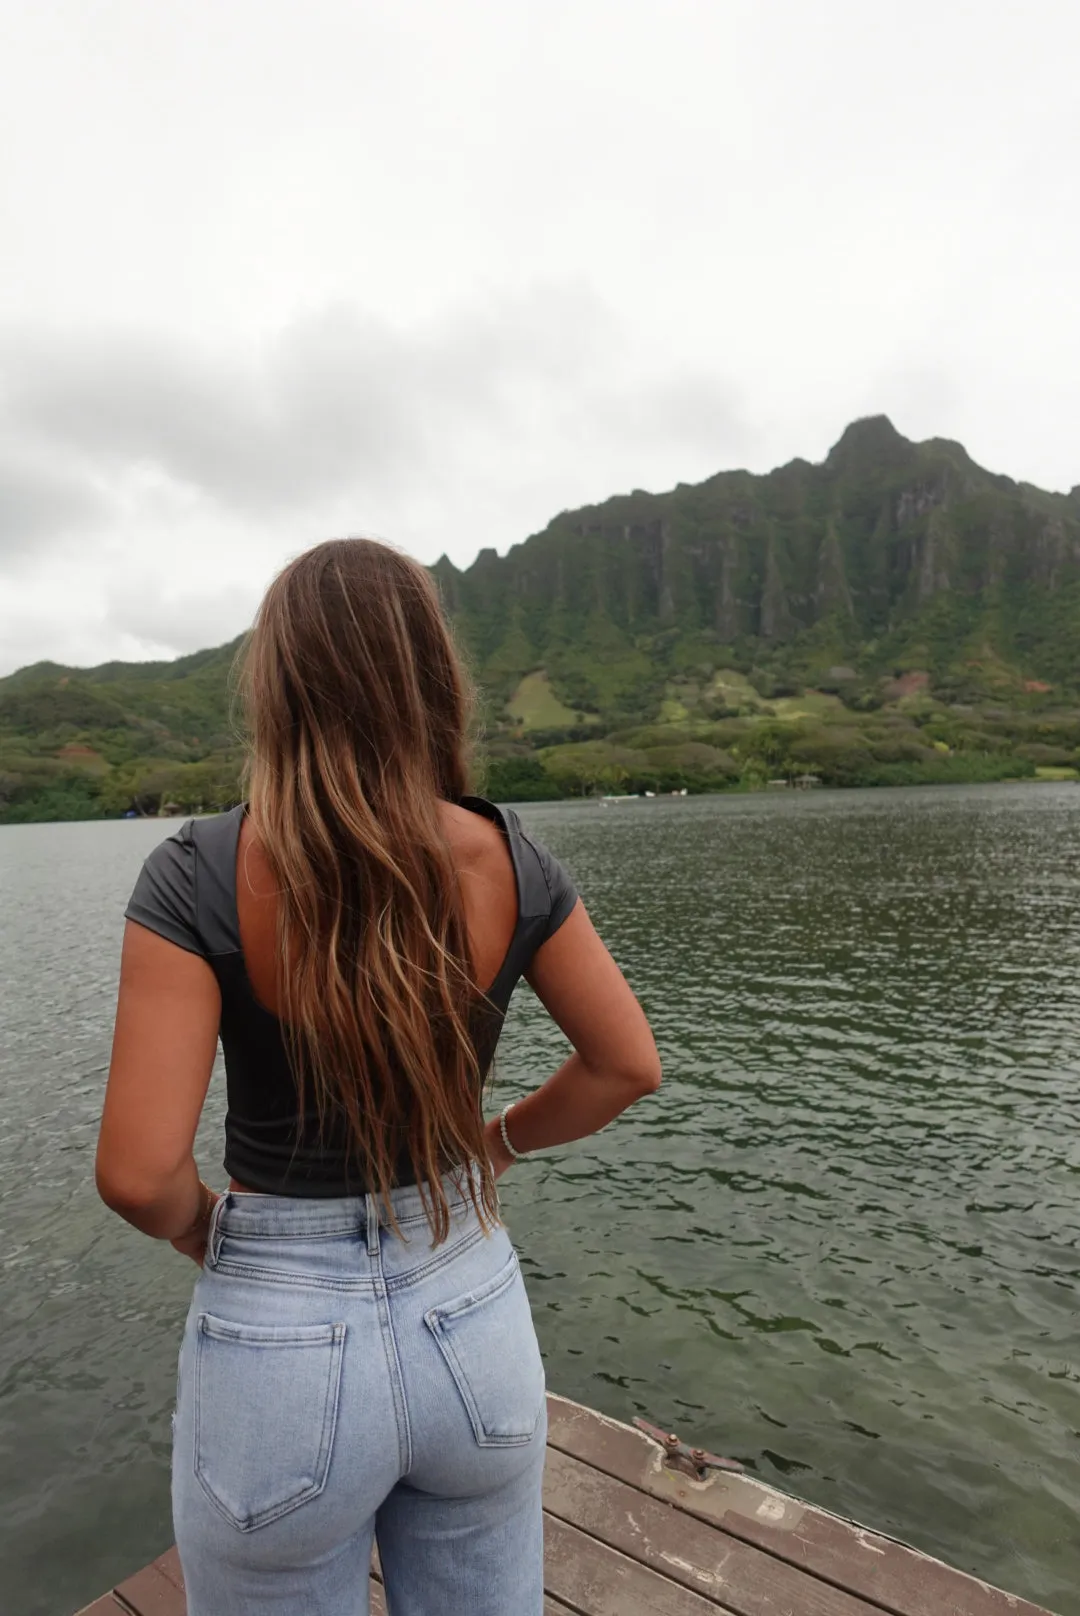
341,1384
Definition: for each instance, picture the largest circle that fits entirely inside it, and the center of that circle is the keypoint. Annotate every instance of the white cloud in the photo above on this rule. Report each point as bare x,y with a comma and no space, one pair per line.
436,272
448,436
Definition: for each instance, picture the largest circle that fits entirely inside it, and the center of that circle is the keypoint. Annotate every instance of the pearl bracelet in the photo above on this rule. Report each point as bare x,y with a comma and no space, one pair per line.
518,1155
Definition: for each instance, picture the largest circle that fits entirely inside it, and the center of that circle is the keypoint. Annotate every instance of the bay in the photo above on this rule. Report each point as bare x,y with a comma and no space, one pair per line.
841,1243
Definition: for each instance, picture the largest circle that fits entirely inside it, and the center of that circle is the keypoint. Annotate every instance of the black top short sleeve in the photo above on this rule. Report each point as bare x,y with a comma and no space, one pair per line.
561,888
546,893
186,893
164,895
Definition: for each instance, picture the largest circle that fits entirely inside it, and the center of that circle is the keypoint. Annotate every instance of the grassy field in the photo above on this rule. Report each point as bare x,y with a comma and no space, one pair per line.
535,706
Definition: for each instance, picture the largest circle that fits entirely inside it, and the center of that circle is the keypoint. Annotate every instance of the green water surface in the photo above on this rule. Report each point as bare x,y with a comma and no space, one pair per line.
840,1243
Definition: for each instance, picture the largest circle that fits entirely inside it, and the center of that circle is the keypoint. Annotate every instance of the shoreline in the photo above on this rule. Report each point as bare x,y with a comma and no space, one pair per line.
1046,777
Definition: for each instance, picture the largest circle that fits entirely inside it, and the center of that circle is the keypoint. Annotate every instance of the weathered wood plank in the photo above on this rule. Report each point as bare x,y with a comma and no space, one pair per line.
722,1569
896,1578
151,1593
169,1566
598,1580
143,1595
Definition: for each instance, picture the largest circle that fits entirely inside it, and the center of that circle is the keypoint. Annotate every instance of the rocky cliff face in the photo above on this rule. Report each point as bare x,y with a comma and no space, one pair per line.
859,549
888,558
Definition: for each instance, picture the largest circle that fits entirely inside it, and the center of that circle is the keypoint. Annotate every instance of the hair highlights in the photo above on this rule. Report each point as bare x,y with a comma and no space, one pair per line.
358,716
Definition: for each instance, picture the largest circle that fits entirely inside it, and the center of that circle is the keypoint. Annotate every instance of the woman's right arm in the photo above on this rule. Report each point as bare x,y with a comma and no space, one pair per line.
615,1060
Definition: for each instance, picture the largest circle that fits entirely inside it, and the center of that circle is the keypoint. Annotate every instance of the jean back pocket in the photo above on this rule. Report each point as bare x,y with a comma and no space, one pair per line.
489,1343
266,1400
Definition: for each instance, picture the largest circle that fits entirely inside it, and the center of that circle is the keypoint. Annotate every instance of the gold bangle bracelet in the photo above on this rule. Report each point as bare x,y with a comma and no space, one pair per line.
206,1207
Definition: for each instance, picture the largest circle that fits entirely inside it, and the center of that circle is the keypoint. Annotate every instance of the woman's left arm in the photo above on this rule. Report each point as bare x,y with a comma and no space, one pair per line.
163,1051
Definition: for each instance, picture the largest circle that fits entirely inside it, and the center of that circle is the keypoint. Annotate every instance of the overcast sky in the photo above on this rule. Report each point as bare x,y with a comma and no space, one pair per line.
275,270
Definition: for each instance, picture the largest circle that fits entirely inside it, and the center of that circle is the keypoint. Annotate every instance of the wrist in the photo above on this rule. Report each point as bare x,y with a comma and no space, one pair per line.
498,1154
200,1222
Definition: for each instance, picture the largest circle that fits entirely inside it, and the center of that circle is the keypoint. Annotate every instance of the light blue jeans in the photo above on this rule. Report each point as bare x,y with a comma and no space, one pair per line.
340,1384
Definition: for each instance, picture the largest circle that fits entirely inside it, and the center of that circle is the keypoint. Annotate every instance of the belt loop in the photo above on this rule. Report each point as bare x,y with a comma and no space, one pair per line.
214,1235
373,1228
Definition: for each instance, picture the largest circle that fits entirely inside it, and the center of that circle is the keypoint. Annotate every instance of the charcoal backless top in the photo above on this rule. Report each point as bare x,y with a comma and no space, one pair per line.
186,892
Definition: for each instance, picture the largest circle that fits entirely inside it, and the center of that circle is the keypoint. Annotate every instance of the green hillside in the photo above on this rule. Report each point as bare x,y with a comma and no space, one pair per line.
894,614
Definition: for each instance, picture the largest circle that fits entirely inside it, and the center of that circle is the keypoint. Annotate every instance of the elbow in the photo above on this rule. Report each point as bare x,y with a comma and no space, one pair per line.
123,1191
117,1196
647,1079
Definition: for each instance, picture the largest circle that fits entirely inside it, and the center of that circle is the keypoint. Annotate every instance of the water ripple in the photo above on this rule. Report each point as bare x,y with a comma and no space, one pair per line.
843,1241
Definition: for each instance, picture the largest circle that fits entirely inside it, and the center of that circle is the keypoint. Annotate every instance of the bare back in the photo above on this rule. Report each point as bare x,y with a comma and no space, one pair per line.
488,891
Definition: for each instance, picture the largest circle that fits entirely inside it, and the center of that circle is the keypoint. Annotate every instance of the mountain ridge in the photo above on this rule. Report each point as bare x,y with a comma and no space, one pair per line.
872,535
924,611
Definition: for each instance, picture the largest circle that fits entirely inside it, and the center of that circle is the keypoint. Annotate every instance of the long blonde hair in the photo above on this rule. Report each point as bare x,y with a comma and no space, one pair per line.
358,714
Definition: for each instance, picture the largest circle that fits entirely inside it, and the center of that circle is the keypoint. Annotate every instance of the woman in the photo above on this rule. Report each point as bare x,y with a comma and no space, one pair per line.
359,1361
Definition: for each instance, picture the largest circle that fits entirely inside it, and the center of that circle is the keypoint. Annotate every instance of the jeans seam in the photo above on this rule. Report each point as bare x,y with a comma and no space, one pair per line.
386,1330
276,1276
344,1230
405,1444
415,1276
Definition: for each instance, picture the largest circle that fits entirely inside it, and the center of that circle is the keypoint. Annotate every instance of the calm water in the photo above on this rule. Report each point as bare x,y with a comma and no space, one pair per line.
843,1242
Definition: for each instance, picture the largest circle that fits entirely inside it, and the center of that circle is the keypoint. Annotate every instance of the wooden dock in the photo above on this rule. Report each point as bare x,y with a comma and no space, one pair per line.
628,1534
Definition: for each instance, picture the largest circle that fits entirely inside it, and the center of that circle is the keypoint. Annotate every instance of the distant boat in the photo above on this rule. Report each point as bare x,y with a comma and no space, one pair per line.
638,796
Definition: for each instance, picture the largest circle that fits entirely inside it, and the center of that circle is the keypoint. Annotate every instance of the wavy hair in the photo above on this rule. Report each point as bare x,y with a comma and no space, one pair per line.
358,713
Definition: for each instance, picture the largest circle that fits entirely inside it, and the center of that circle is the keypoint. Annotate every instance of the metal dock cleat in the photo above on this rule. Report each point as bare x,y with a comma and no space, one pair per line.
694,1462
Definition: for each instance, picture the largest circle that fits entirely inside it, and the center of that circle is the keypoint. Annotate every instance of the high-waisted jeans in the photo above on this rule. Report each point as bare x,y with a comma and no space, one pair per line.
341,1384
